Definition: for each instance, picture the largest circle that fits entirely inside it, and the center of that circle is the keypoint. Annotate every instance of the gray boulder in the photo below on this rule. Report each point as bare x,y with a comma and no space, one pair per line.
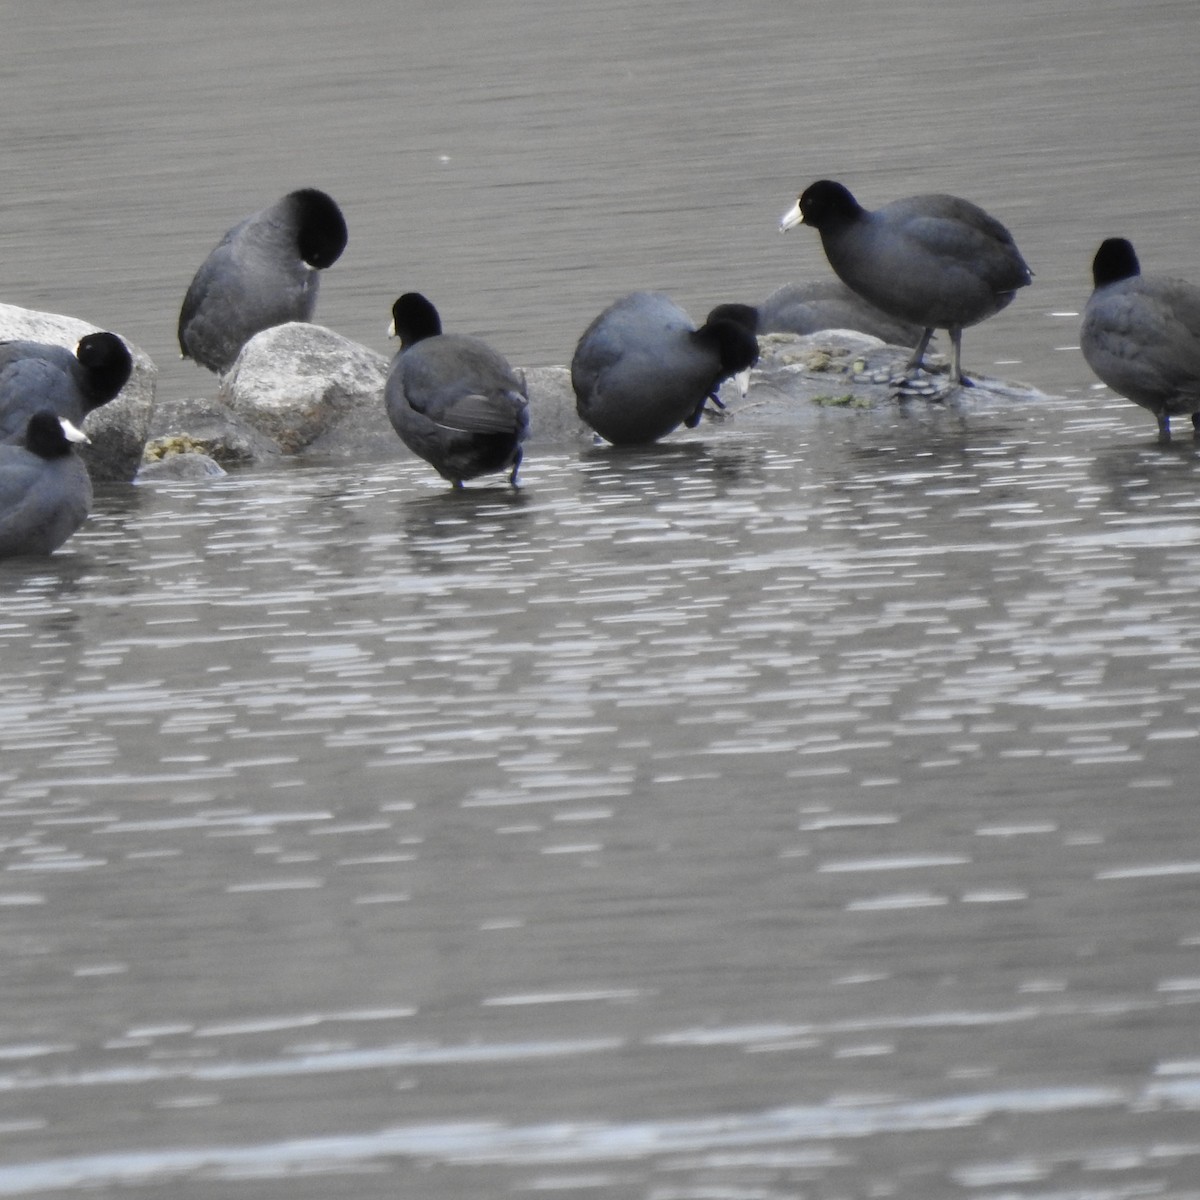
117,430
552,416
209,427
305,390
298,383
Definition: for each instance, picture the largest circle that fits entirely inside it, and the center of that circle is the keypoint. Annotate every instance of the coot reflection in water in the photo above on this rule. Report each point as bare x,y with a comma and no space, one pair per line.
706,813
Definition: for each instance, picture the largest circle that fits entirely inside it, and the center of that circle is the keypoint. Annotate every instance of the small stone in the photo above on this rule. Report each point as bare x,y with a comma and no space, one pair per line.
183,465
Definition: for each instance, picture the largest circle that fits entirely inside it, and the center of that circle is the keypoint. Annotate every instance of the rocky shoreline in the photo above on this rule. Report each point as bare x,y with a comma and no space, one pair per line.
301,391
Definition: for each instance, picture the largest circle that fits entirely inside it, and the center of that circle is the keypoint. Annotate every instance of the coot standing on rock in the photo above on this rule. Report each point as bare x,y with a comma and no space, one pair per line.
45,491
453,400
642,368
1142,335
38,375
264,272
938,261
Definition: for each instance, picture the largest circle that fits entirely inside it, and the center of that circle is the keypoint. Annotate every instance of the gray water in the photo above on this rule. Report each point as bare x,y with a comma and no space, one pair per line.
749,817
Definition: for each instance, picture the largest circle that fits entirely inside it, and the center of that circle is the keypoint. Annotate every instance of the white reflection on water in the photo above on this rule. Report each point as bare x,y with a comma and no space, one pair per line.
596,1142
803,813
743,795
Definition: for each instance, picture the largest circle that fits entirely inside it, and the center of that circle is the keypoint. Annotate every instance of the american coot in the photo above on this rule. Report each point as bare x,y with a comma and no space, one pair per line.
642,368
747,316
937,261
36,376
453,400
263,273
1142,336
45,492
829,304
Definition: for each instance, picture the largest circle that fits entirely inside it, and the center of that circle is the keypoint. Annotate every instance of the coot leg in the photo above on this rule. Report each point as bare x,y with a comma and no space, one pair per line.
915,363
698,413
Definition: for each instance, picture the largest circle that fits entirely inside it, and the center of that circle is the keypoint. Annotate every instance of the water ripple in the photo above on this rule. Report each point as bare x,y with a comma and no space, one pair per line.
483,1142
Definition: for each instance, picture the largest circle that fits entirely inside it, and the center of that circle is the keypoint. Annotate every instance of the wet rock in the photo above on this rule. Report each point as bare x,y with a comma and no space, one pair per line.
552,416
303,390
180,464
210,427
838,369
118,429
296,383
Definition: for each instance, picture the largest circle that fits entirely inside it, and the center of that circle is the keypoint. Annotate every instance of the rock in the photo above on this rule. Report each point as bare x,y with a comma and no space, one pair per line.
552,416
303,390
362,432
297,382
118,430
799,375
207,427
180,464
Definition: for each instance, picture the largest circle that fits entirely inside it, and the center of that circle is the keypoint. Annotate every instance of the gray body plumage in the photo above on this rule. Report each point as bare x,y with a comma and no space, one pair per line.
829,304
37,375
1141,336
45,491
456,403
641,368
263,273
936,261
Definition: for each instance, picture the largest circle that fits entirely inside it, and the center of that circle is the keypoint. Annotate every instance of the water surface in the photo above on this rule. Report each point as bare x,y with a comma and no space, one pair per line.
752,816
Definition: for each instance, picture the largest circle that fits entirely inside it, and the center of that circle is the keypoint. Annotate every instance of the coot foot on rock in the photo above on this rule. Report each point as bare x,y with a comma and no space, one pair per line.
937,261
